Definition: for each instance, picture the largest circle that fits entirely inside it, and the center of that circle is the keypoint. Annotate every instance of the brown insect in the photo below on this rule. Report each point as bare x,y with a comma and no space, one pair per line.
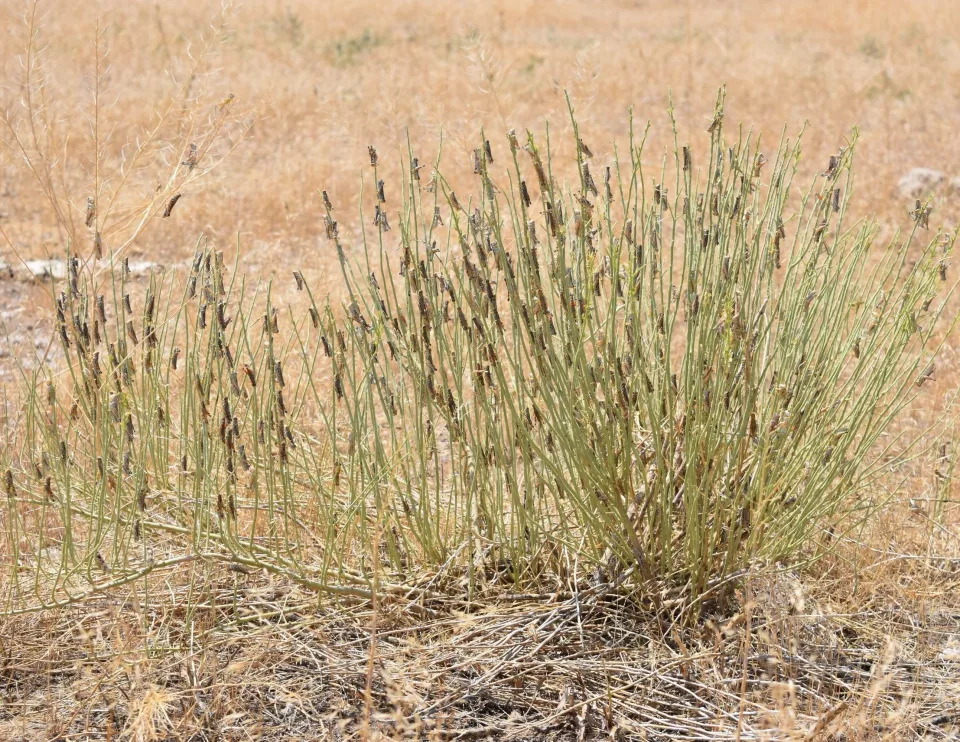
927,375
190,159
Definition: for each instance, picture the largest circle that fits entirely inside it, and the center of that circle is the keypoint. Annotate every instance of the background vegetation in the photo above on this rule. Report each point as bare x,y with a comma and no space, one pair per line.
623,381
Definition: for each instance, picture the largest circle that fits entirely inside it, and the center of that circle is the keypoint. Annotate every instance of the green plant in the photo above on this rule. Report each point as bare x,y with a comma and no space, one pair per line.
347,51
651,377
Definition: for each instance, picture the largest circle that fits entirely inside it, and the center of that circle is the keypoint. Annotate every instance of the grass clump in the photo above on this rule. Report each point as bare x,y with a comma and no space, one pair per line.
648,377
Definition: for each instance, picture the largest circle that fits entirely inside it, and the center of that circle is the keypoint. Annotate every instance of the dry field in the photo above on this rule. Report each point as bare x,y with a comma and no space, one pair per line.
283,99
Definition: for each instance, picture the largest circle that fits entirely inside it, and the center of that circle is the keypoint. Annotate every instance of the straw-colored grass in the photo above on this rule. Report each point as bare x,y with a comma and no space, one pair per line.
585,442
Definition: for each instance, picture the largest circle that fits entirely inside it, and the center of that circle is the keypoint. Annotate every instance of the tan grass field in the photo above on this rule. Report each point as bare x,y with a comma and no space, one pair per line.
284,99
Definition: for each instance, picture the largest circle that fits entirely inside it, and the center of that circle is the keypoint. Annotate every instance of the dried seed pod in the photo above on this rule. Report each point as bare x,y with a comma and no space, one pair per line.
380,219
525,194
115,407
588,182
202,317
330,227
551,219
95,367
357,316
149,307
170,204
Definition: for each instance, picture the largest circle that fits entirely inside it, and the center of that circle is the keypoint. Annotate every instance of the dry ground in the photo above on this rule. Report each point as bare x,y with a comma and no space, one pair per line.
864,645
315,83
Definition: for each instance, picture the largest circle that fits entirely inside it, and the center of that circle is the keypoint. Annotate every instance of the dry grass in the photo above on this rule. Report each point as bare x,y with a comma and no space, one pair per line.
325,85
865,644
266,661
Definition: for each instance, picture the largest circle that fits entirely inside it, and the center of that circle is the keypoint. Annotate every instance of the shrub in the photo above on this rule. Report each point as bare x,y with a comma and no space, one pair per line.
651,378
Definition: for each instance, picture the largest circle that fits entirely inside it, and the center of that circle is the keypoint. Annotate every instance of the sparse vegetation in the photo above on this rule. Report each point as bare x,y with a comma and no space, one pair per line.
348,51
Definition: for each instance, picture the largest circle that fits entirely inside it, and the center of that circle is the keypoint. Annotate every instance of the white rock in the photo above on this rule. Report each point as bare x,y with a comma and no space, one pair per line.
143,266
57,269
955,184
951,651
919,181
47,268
